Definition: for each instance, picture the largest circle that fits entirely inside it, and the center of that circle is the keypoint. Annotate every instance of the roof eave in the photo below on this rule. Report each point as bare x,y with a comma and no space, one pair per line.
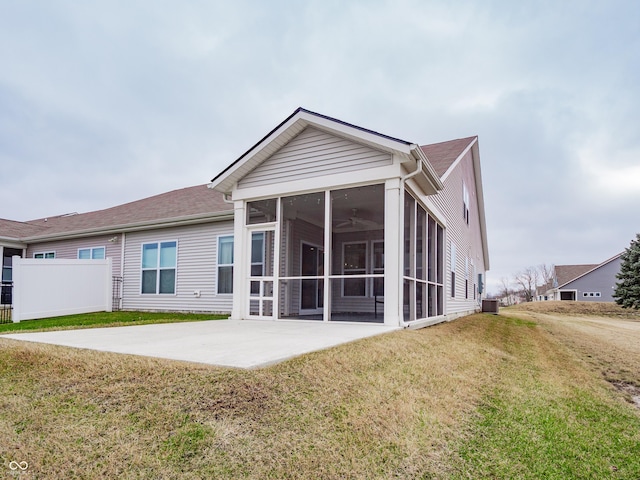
131,227
428,171
289,128
12,242
475,151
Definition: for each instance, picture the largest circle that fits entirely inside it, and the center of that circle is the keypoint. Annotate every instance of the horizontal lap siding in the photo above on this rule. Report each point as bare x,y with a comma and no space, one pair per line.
602,280
311,154
196,269
467,238
68,249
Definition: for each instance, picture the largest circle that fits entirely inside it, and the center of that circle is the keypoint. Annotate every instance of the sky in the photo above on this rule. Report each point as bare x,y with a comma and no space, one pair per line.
106,102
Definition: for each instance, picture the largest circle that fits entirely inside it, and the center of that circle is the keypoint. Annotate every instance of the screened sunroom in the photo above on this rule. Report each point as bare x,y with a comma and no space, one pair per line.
334,223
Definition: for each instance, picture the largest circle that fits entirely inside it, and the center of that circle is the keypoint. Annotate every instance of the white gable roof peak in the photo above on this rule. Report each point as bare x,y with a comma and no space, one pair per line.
296,123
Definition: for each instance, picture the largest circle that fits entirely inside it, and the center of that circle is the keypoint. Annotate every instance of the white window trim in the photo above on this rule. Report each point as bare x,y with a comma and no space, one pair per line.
44,254
218,264
157,269
91,250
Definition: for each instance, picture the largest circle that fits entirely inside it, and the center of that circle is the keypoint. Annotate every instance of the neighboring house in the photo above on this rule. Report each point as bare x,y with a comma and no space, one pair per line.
320,220
583,283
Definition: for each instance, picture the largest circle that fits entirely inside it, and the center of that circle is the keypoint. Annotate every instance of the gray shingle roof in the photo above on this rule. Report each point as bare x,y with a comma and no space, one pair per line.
442,155
183,204
566,273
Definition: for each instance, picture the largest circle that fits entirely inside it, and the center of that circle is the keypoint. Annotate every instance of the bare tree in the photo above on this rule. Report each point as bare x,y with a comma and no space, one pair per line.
546,273
506,292
527,281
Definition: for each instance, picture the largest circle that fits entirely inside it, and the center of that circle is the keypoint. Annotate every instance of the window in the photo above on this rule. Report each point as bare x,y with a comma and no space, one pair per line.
44,255
257,260
95,253
354,263
225,264
465,203
159,267
261,211
453,270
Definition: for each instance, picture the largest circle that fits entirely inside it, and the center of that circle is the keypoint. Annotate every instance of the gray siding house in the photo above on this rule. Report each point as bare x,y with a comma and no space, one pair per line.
583,283
320,220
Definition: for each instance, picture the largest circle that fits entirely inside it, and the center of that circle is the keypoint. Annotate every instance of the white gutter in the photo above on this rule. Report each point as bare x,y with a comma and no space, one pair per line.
403,180
146,225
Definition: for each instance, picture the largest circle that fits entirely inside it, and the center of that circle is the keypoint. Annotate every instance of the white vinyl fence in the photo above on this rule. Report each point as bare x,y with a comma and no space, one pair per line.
53,287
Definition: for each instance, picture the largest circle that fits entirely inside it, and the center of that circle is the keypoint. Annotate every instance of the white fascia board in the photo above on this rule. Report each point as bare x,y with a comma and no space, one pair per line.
132,227
427,202
9,242
260,151
375,140
428,170
227,180
477,174
460,157
308,185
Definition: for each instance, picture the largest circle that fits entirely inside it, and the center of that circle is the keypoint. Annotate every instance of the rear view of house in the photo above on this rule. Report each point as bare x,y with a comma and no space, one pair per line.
320,220
334,222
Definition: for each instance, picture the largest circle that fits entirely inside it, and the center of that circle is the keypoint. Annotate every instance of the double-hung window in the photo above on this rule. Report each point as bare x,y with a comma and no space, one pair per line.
159,267
95,253
225,264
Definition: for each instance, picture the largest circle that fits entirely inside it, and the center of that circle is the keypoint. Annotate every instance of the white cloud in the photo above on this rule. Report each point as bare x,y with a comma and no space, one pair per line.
106,102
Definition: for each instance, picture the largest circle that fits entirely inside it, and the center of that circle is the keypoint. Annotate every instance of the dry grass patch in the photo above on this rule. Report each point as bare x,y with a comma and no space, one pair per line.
609,341
383,407
599,309
410,404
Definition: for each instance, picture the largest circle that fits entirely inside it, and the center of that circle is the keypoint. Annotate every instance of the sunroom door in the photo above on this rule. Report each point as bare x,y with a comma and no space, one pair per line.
261,291
312,289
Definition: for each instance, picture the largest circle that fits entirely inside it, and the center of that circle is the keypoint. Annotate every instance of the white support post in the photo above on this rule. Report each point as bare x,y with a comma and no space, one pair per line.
393,253
240,292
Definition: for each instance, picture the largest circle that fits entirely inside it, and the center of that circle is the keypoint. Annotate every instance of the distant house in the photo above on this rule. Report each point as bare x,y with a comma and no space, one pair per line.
583,283
320,220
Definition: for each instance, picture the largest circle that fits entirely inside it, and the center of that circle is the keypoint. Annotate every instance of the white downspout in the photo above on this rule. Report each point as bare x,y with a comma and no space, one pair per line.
403,180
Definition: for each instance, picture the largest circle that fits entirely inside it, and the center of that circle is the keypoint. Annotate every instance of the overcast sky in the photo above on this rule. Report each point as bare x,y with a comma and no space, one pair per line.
106,102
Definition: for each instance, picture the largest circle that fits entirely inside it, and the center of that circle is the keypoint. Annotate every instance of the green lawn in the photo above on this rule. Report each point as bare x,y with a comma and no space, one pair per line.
105,319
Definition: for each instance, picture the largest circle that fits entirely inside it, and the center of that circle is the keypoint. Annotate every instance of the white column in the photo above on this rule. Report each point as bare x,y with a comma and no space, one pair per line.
393,253
240,290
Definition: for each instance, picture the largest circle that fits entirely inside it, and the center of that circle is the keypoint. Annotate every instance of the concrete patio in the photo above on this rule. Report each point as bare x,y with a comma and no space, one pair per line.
228,343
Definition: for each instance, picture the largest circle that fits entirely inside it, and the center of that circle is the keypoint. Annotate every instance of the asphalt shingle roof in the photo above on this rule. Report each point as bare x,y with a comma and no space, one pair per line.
177,204
566,273
442,155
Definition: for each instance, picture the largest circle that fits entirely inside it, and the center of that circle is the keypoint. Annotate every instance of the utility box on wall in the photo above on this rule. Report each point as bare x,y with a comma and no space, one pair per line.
45,288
